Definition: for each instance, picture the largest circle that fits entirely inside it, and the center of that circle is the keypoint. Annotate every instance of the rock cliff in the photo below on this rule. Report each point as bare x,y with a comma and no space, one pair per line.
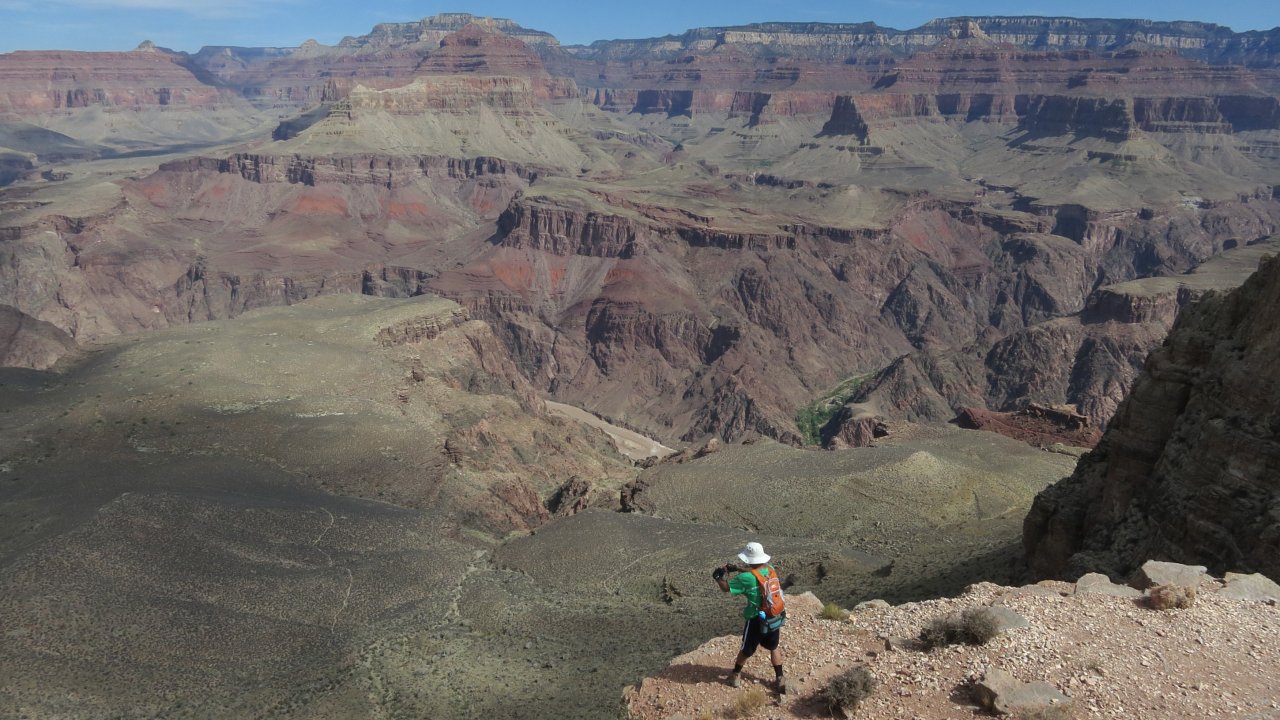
41,81
1187,470
868,41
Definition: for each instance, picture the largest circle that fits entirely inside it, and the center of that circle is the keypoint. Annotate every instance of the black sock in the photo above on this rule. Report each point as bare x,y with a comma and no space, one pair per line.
777,670
737,668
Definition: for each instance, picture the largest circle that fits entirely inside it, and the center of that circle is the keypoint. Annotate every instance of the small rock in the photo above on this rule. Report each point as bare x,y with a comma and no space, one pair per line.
898,643
1155,572
1099,584
1256,587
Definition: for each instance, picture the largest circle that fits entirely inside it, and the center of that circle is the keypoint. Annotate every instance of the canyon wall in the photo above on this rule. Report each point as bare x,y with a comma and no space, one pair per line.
1188,468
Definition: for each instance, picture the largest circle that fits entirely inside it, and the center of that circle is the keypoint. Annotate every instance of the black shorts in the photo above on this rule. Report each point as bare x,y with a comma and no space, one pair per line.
754,636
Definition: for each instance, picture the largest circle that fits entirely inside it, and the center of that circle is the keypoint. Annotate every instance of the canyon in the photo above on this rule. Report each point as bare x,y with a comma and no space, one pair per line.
790,217
486,346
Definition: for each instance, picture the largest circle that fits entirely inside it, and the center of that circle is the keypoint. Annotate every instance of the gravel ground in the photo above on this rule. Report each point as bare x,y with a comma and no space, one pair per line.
1112,656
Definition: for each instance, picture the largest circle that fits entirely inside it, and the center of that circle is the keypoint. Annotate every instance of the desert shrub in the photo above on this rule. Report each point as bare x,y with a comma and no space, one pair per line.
747,703
832,611
1061,711
1169,597
705,715
974,626
846,690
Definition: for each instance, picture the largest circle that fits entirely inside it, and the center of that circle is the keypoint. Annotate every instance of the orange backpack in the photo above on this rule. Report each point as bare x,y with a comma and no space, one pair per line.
772,603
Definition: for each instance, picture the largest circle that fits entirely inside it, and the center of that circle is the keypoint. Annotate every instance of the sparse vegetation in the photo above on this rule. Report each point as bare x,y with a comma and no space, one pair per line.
846,690
812,417
1052,712
832,611
975,626
1171,597
748,702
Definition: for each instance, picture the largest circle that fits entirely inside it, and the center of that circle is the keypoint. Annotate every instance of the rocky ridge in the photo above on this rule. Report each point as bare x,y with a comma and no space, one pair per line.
1086,360
1186,470
869,42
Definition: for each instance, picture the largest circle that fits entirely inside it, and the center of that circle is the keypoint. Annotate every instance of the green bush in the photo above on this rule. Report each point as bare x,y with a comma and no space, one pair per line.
811,418
832,611
975,626
847,690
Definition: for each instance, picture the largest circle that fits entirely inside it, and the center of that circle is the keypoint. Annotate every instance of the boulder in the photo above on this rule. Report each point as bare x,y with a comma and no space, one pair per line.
1155,572
1099,584
900,644
1039,590
1256,587
1007,619
570,498
1003,694
712,446
804,605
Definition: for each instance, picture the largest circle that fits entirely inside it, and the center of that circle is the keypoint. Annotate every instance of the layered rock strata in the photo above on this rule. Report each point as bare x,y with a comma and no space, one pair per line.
1187,470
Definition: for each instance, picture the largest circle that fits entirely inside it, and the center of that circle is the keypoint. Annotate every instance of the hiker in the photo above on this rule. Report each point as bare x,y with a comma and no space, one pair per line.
764,613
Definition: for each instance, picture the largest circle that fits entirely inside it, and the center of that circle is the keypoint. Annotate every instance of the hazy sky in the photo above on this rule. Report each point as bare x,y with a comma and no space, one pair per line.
190,24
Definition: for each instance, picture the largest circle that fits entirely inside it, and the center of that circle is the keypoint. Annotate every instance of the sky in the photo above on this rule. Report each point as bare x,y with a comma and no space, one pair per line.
190,24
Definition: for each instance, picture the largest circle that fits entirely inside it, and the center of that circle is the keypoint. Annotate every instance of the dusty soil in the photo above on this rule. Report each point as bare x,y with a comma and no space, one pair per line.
1112,656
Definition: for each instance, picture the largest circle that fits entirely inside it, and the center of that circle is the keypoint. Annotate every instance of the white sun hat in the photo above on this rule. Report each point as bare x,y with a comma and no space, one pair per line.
754,554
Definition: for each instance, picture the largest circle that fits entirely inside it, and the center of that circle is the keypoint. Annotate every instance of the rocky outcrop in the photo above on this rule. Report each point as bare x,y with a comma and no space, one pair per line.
389,171
30,343
1187,469
390,56
868,41
1037,428
418,329
431,31
13,166
44,81
568,229
458,95
485,50
853,427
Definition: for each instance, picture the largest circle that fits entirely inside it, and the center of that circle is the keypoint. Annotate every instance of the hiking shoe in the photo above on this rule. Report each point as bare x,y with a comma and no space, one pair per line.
782,686
735,680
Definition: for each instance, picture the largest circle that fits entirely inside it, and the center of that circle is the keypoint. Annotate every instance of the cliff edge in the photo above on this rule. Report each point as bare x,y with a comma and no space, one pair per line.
1189,469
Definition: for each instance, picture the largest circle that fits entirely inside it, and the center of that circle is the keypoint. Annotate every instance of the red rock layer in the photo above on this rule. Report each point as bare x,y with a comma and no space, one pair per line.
33,82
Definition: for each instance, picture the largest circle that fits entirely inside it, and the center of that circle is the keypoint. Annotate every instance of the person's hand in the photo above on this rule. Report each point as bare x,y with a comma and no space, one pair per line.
718,573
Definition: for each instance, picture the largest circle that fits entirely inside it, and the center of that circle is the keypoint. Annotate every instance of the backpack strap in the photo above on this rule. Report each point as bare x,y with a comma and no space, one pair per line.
761,581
